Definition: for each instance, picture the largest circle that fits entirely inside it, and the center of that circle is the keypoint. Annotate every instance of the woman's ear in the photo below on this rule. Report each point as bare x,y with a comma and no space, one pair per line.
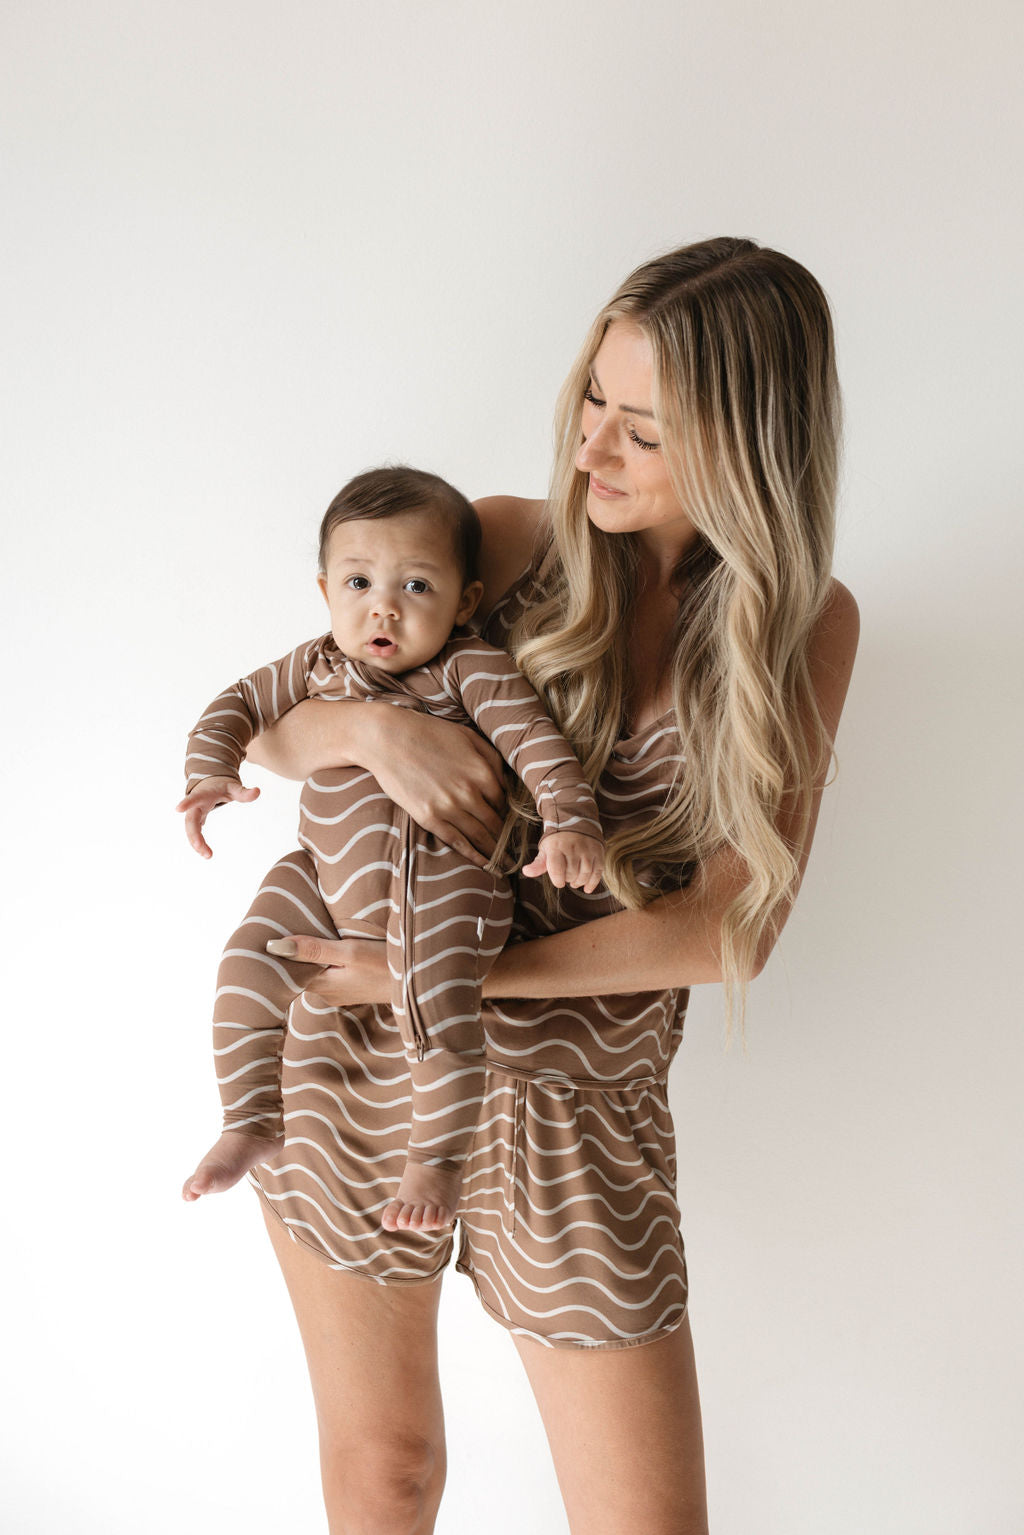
468,604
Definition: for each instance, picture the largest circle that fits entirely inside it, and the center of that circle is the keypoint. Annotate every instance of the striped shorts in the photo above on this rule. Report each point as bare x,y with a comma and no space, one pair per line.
568,1223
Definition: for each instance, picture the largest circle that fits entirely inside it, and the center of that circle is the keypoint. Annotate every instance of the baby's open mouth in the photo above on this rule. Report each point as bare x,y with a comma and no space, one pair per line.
382,645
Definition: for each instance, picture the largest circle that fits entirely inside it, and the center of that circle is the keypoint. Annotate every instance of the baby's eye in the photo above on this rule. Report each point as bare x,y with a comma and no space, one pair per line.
642,442
357,583
417,587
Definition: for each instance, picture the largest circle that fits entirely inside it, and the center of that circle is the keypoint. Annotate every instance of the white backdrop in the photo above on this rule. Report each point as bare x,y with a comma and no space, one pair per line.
253,248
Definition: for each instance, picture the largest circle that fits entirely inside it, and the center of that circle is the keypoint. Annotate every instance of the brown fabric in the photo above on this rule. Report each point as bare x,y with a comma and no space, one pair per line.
368,871
569,1224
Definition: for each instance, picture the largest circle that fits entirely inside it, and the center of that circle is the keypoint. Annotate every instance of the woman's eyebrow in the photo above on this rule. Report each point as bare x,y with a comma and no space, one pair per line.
631,410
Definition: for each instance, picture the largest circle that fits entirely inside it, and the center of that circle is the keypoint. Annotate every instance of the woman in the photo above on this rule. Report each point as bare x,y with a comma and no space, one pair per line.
680,619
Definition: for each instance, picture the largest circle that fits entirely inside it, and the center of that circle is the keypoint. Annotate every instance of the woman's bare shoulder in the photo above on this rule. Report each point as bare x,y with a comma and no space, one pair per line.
833,648
511,527
838,627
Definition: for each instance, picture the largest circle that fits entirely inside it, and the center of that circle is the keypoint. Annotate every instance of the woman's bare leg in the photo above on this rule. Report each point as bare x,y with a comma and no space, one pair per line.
625,1432
372,1356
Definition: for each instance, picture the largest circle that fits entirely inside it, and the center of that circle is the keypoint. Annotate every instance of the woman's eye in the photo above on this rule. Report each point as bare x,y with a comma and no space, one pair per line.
357,583
417,587
588,394
642,442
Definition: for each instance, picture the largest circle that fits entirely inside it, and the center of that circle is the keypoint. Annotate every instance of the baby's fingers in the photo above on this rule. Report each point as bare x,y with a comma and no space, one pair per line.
557,866
195,815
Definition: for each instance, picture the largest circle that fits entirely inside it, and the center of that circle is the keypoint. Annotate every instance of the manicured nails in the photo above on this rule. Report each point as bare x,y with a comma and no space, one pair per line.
285,948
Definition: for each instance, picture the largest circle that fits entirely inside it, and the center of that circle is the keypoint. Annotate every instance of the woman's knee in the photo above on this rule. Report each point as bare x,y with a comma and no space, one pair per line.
383,1483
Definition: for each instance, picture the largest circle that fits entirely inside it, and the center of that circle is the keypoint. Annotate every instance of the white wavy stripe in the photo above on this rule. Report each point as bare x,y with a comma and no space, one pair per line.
350,810
436,1084
590,1198
349,1236
628,1274
303,910
246,1039
366,912
362,1159
440,989
559,1043
332,788
352,1022
253,1119
363,832
254,996
626,1137
639,1170
529,738
677,1311
361,1212
583,1279
461,919
407,973
600,1144
399,1097
302,1113
258,957
333,896
243,1071
558,1238
239,1103
424,1143
362,1068
561,1011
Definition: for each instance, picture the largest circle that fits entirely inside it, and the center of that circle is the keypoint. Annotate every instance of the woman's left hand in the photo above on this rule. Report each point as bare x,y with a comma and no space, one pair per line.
356,969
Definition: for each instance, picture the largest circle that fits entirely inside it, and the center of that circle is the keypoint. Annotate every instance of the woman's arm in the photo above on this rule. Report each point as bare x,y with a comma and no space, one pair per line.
675,941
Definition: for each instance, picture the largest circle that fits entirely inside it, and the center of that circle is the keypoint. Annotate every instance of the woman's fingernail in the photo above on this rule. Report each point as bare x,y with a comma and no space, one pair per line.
286,948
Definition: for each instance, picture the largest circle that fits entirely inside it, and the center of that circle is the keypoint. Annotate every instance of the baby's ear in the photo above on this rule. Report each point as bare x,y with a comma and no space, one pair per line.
470,599
321,582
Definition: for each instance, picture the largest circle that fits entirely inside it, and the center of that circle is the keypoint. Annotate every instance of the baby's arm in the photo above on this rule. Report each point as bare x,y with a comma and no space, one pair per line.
218,743
505,707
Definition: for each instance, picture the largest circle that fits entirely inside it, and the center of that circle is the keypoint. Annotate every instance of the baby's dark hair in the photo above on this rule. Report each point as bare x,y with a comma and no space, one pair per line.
396,489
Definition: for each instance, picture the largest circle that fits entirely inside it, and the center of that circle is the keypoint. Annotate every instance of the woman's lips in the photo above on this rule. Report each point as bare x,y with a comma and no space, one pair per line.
605,492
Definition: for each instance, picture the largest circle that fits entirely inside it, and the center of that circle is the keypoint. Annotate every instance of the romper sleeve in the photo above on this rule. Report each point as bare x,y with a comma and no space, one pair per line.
503,705
217,744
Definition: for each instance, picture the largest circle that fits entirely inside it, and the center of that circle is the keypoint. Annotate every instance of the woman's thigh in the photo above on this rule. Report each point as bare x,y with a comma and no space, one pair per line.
624,1428
372,1356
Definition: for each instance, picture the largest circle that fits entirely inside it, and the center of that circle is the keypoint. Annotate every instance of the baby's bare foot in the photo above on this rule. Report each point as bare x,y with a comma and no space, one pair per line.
426,1199
229,1160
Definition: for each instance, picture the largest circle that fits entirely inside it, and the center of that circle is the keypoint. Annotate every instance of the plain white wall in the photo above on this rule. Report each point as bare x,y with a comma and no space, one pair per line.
252,248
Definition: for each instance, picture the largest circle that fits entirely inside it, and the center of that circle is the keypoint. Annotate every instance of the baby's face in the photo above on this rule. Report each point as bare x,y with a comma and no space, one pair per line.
395,590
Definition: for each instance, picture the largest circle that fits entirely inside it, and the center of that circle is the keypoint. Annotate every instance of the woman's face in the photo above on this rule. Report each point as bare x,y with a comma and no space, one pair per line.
629,490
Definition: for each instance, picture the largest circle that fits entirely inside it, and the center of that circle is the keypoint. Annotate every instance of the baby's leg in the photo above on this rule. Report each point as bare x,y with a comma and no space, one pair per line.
254,993
453,921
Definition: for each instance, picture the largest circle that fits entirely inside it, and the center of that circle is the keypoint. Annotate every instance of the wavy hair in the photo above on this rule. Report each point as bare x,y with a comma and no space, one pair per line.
747,403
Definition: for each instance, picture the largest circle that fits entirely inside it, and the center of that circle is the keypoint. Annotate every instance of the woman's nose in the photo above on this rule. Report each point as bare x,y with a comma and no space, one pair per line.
599,448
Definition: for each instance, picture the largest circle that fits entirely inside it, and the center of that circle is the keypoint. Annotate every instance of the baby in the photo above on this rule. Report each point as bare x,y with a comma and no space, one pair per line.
398,558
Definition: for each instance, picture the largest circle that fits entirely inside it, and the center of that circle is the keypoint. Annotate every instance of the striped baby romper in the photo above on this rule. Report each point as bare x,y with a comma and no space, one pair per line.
367,870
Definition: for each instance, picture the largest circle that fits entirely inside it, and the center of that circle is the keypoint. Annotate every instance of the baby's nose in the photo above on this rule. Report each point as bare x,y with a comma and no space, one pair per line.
385,605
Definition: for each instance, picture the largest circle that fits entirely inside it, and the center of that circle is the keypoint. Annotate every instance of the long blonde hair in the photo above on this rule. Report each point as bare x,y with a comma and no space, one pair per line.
747,403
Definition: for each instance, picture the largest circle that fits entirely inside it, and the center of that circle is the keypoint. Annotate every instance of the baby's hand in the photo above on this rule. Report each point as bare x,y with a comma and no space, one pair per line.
569,858
205,796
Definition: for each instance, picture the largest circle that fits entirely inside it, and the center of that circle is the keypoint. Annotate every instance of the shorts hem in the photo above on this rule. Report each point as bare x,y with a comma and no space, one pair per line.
389,1280
606,1344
